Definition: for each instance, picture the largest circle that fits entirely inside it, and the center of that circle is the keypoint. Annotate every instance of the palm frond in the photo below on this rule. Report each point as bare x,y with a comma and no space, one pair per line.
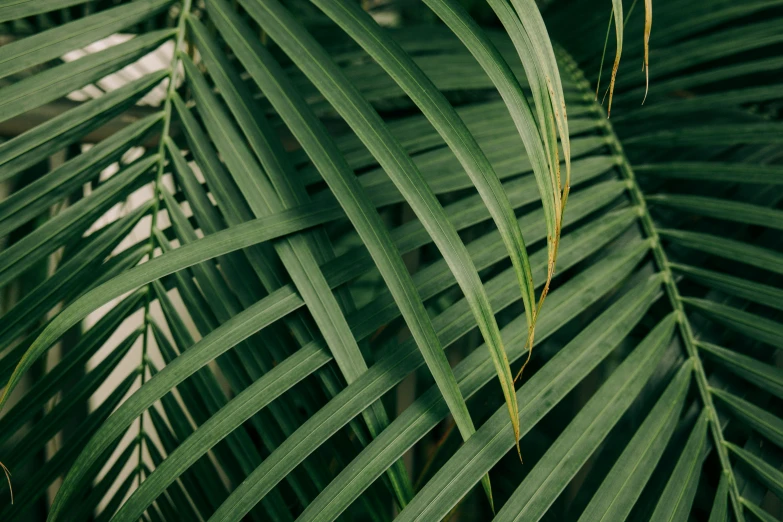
216,309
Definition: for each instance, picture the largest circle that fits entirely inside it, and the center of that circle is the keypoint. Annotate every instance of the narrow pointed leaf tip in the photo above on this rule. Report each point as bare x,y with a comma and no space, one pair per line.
647,30
617,9
8,478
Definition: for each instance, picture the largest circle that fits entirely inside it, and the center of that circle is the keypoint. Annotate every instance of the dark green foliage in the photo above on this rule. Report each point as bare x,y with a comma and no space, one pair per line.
297,280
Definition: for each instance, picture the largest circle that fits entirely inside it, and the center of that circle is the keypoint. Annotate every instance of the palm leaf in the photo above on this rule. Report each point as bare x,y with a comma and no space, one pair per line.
285,264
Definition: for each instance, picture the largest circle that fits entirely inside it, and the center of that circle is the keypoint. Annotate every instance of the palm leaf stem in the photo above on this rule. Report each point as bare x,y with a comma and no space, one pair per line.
167,110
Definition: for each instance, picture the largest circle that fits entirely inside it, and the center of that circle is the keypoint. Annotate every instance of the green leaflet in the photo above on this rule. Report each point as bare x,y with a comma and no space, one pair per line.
229,199
207,470
758,511
399,364
294,252
490,249
22,8
239,272
202,479
763,375
701,50
681,108
760,420
244,364
723,209
531,48
33,50
25,150
769,475
84,349
736,286
676,499
625,481
715,171
71,222
56,82
699,19
65,456
176,492
720,506
74,274
708,76
73,399
30,201
728,248
754,326
717,134
89,504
